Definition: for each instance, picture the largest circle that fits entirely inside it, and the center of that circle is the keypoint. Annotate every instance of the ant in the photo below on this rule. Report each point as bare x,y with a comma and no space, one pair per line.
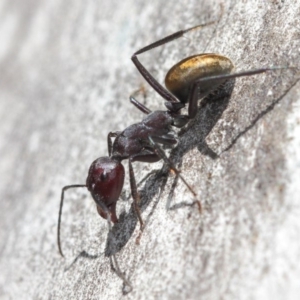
188,81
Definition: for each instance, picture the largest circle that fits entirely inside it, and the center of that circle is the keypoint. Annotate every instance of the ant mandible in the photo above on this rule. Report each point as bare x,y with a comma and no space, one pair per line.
188,81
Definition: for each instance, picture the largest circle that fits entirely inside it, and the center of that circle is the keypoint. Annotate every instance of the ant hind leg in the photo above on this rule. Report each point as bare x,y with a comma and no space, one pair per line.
161,90
138,104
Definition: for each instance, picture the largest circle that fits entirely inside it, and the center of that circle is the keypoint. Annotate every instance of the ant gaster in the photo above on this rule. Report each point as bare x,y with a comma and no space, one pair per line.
188,81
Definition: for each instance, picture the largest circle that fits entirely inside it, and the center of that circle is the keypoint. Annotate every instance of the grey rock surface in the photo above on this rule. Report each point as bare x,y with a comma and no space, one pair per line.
65,79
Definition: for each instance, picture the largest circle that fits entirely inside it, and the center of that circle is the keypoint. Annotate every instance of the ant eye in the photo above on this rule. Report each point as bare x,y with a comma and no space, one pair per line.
103,176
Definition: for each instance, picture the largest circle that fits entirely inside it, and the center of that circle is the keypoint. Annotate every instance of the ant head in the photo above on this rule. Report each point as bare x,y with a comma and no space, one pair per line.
105,182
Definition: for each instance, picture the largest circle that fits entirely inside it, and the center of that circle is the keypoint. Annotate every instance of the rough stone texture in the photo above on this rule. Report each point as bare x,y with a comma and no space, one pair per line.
65,79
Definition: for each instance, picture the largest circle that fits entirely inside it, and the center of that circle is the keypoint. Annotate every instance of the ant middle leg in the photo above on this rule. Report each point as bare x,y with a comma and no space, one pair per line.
160,152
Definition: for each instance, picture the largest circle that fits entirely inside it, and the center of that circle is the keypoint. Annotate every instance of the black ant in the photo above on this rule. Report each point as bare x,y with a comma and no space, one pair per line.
188,81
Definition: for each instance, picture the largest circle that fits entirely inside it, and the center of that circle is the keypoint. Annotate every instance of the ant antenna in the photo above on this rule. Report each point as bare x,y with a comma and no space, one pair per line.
60,212
116,266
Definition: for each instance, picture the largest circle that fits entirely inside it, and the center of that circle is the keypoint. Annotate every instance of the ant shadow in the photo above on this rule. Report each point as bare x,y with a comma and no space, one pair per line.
192,136
82,254
208,114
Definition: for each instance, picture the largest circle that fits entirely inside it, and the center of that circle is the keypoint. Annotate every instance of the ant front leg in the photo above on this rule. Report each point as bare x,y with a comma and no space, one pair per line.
135,194
147,155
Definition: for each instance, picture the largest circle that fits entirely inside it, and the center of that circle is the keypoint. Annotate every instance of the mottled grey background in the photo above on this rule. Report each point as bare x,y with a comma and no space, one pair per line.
65,78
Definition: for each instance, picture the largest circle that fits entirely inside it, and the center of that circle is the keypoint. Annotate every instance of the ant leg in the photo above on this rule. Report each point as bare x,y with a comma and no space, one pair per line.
137,104
147,155
135,194
163,156
146,74
60,212
167,140
116,268
111,135
125,198
219,79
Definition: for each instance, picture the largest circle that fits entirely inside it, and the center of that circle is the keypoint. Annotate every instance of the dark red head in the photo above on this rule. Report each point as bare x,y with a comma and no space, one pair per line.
105,182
